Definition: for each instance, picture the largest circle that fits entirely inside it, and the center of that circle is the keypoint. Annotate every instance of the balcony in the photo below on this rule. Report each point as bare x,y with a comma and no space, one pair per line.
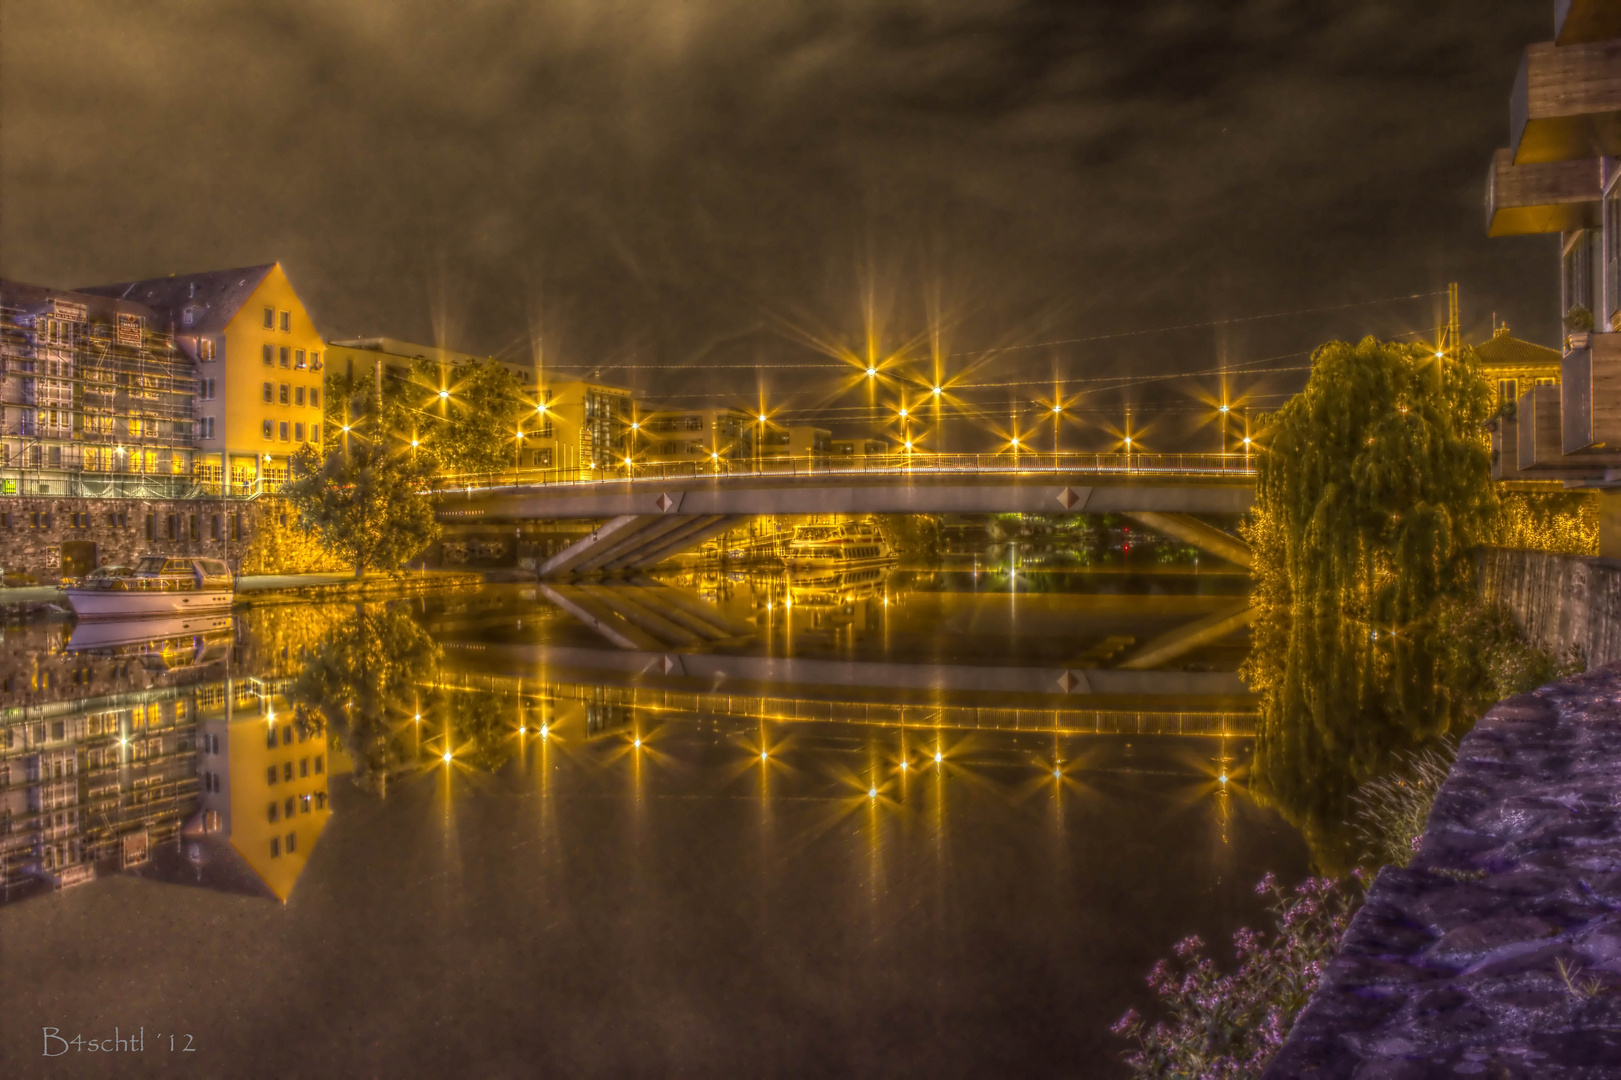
1590,377
1549,197
1540,441
1576,22
1566,102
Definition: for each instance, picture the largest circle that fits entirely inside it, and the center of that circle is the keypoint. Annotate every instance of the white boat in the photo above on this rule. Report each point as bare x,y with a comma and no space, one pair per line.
830,547
159,586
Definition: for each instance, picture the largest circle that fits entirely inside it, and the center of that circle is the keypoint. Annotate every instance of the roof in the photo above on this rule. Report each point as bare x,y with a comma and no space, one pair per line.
98,308
215,296
1505,351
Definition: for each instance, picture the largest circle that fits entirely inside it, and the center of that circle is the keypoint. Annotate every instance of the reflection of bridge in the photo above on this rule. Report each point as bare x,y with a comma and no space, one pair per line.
654,512
955,696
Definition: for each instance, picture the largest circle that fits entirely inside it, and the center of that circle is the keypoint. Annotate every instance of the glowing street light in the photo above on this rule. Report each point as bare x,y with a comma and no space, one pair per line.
1058,408
446,756
637,744
871,371
872,793
762,418
938,757
764,755
935,391
903,414
443,394
1223,409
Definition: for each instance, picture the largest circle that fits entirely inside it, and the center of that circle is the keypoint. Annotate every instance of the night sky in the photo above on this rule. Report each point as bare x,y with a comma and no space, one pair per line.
685,186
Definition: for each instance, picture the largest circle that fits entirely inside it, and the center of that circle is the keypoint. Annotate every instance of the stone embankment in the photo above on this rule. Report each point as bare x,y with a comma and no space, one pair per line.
1497,953
1562,602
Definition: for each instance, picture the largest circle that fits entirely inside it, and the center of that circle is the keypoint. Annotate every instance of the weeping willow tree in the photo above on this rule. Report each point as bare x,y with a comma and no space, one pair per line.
1376,484
1375,487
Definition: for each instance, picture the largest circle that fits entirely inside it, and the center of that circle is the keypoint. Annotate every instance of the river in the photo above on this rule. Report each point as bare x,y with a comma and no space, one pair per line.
938,820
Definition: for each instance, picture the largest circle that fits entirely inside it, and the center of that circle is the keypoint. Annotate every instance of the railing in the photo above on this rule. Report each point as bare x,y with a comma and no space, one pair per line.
95,484
1007,464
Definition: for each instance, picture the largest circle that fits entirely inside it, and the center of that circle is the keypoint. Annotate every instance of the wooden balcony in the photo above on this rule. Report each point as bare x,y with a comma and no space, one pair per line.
1590,379
1540,452
1566,102
1549,197
1576,22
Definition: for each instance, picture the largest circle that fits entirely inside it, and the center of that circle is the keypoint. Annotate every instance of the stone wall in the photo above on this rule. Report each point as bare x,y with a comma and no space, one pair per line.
1497,953
258,536
1562,602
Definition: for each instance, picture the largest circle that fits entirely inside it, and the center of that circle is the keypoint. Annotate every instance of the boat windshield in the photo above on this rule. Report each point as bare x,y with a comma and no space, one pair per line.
150,564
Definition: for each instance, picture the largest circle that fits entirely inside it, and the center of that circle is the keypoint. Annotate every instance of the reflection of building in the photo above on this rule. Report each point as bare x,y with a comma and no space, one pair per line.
258,363
265,788
89,385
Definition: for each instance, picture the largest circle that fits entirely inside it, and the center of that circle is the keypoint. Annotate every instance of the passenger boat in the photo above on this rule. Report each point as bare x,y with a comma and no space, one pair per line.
159,585
827,547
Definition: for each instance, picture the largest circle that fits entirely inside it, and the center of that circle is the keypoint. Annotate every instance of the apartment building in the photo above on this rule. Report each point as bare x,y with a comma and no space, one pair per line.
93,390
694,435
357,356
579,424
1559,176
258,360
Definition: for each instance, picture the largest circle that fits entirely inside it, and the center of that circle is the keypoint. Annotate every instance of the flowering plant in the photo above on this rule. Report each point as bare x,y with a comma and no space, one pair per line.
1227,1027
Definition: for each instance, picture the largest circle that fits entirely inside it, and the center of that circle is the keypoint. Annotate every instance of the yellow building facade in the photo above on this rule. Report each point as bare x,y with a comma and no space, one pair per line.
259,361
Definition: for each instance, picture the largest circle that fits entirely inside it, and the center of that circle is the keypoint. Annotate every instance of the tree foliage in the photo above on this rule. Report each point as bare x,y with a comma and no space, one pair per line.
472,429
1377,482
365,681
366,503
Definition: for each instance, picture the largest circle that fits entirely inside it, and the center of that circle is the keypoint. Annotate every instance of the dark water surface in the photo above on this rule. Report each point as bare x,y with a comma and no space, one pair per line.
637,891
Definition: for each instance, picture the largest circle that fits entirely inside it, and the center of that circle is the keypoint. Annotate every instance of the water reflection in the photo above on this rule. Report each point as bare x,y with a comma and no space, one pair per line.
1339,702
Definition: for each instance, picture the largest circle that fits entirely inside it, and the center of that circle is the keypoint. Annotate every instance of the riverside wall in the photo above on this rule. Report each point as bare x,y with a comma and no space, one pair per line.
1497,952
1561,602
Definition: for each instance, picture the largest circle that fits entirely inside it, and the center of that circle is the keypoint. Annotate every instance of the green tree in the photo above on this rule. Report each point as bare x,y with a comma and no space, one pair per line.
463,417
1376,483
367,503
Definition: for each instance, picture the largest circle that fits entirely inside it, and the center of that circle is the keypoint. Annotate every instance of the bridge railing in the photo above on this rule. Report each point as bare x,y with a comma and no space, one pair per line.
1010,464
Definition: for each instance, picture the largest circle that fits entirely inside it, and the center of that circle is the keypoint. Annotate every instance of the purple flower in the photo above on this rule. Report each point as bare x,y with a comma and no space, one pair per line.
1126,1022
1188,946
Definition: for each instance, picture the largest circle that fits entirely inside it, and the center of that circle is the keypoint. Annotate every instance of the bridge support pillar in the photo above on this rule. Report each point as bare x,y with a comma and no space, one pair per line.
1200,534
637,541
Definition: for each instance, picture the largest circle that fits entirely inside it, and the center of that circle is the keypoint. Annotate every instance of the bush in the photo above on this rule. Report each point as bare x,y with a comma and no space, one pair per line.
1391,811
1226,1027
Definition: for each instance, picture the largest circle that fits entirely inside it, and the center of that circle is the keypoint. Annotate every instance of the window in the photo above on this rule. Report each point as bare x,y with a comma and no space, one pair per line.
275,847
270,318
315,360
298,432
236,525
192,527
285,355
270,775
287,771
151,527
287,740
283,394
287,321
269,354
292,842
214,527
695,423
319,764
269,392
298,395
304,804
275,812
205,349
205,427
304,767
1508,390
186,316
269,429
284,431
291,807
298,359
315,397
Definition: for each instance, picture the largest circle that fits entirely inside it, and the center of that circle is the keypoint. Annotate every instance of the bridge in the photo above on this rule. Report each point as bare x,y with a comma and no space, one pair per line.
651,512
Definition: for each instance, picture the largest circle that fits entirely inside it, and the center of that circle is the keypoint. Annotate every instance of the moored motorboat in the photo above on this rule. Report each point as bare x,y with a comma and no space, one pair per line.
159,586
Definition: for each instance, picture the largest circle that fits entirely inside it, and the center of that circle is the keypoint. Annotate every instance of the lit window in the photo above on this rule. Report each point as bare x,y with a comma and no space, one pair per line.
298,359
270,429
205,349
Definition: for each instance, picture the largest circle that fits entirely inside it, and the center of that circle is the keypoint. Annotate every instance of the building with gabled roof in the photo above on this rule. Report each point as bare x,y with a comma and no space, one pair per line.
258,359
1511,364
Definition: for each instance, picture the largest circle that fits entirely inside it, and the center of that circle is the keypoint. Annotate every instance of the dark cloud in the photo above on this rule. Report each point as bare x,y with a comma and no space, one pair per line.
715,181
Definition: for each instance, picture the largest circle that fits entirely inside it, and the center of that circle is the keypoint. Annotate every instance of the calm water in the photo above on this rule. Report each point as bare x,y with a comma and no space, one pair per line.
687,827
